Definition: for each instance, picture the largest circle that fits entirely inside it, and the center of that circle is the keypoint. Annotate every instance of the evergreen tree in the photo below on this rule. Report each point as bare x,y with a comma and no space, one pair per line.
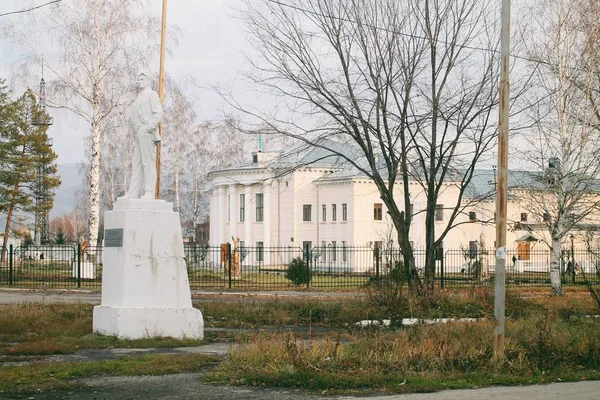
25,152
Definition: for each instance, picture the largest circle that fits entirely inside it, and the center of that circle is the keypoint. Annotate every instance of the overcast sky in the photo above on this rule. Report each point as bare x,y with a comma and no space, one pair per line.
209,51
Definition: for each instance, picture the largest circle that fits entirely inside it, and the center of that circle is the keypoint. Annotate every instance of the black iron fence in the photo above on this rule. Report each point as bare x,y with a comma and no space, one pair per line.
327,268
73,266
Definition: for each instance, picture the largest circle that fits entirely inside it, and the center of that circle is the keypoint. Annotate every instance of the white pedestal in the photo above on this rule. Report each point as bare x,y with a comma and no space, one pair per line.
145,288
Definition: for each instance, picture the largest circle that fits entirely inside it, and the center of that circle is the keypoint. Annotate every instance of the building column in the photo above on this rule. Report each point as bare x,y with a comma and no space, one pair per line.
213,212
233,212
221,216
267,221
248,217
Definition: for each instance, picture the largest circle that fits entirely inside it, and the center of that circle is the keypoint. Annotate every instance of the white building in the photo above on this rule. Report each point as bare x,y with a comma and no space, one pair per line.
313,199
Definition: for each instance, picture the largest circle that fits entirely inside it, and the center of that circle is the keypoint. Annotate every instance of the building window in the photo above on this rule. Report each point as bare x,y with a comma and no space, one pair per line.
377,212
324,212
242,207
439,252
473,249
439,212
334,212
307,247
259,207
344,212
333,251
306,212
472,216
523,217
260,252
344,249
547,217
323,251
242,250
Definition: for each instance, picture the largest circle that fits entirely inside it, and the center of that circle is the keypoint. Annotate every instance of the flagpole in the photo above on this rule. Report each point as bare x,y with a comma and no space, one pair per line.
161,88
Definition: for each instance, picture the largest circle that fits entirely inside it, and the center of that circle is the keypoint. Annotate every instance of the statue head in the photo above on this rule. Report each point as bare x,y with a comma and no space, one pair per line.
144,80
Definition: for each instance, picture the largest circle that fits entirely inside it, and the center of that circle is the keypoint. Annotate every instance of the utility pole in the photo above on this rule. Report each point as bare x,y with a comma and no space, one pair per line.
161,91
502,187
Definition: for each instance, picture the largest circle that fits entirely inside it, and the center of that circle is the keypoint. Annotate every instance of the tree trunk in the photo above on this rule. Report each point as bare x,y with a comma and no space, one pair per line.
430,245
555,281
410,270
94,193
9,216
195,206
177,204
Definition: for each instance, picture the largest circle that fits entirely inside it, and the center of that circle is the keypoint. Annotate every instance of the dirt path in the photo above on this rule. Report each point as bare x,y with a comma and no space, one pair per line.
190,386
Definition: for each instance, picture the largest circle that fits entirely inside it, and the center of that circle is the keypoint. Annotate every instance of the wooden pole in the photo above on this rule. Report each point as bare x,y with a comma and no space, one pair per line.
502,185
161,90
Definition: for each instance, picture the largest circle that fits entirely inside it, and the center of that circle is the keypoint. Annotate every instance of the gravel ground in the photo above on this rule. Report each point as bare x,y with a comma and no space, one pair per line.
190,386
180,387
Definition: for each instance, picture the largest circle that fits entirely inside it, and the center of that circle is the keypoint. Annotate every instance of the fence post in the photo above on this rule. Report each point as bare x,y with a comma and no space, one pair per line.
78,265
376,250
229,263
442,262
306,257
10,265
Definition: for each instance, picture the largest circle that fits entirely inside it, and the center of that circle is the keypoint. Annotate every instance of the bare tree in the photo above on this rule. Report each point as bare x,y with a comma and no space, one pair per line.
211,146
408,88
69,224
564,144
97,45
180,127
115,159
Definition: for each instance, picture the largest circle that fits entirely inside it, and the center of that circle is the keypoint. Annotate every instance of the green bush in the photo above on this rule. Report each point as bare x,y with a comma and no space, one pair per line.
298,272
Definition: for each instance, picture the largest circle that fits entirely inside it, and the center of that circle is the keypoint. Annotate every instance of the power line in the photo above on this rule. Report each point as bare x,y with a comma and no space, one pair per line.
342,19
30,9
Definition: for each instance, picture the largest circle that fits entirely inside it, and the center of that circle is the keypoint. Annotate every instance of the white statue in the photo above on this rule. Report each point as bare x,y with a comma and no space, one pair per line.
146,114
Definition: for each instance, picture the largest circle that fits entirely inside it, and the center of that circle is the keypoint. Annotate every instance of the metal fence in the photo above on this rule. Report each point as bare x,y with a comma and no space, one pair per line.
327,268
52,266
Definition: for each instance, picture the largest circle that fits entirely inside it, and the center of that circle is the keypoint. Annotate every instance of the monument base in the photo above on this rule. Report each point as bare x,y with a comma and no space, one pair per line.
137,323
145,287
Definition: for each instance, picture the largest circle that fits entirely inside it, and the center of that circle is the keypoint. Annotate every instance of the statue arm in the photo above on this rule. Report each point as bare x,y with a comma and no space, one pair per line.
157,112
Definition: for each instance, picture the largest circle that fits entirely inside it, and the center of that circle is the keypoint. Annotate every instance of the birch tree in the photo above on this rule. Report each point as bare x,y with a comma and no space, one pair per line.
212,146
97,45
179,129
564,142
115,160
411,86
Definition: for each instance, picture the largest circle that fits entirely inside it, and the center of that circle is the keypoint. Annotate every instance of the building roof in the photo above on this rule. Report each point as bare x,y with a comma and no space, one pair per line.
334,155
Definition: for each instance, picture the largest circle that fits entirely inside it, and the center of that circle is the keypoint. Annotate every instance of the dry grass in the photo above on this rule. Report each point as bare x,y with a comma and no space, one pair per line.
537,349
245,313
42,329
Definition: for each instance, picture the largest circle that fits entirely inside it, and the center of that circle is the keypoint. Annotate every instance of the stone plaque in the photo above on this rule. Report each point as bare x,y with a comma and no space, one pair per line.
113,237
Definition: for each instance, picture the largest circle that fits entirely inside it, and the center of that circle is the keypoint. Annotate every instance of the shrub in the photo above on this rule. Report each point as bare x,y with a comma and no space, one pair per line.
298,272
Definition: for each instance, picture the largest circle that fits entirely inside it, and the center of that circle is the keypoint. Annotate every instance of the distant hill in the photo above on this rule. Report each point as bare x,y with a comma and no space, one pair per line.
65,198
